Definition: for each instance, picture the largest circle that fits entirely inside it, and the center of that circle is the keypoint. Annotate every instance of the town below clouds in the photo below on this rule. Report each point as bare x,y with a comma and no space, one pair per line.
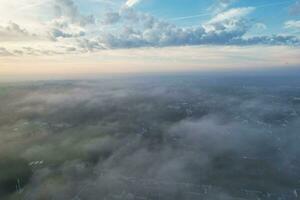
148,137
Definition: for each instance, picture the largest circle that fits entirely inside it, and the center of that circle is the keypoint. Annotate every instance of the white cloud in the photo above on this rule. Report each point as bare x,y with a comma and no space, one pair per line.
68,9
111,18
229,24
13,32
292,24
65,28
221,6
131,3
234,13
260,26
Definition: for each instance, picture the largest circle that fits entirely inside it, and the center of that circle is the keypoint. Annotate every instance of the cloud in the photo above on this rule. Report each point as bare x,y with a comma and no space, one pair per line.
292,24
131,3
111,18
225,28
125,138
295,8
260,26
66,27
89,44
4,52
221,5
268,40
228,27
13,32
68,9
232,14
56,33
62,28
68,21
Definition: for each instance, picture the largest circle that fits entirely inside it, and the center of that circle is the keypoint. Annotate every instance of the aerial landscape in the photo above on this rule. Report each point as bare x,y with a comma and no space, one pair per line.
149,100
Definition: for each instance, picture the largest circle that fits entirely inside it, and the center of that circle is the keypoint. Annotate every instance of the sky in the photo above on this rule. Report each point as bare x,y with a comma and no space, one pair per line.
76,37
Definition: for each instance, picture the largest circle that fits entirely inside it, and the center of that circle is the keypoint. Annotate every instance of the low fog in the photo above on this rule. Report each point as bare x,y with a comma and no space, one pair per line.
151,138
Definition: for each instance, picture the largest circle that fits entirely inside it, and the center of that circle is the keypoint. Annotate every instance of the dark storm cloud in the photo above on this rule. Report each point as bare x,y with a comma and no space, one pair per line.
168,138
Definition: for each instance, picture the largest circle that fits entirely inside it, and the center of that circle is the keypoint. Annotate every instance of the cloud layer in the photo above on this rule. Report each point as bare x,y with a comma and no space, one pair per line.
66,28
174,137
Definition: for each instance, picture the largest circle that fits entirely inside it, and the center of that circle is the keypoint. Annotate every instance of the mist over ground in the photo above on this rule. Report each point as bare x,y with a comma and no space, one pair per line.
164,137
